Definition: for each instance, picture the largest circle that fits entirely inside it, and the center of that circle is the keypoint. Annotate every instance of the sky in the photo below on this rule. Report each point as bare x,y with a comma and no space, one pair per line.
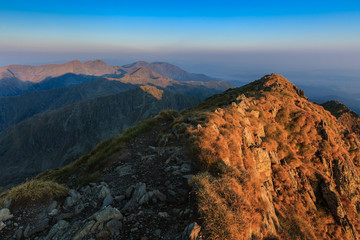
312,42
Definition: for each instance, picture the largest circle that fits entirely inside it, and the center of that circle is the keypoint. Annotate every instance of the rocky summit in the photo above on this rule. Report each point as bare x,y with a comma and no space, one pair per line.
256,162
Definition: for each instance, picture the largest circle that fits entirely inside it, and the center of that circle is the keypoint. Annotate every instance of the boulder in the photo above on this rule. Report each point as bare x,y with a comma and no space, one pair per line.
114,226
191,232
84,231
107,214
56,229
5,214
108,200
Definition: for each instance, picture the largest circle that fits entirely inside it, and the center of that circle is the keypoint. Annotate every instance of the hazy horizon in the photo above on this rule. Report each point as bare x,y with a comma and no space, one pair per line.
310,43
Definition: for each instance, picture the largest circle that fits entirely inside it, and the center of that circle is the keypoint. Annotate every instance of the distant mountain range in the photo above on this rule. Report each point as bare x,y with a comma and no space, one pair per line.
18,79
51,114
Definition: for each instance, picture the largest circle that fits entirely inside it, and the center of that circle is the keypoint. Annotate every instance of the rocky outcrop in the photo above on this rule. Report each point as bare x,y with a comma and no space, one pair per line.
337,209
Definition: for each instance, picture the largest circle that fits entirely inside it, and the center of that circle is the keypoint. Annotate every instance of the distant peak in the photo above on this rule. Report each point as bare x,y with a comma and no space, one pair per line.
97,62
136,64
157,93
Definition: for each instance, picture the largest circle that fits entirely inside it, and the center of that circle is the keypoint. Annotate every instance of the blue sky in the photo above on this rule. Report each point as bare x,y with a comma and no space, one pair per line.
229,39
178,25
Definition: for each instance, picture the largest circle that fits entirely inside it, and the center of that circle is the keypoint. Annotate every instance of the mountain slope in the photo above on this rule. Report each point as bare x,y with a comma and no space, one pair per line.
51,139
263,163
278,166
18,108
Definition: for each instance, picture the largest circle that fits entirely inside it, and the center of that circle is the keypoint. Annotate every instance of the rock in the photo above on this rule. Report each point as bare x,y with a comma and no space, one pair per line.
107,214
263,164
69,202
176,173
65,216
37,225
84,231
79,208
59,226
336,207
242,101
157,232
103,235
52,206
185,168
2,225
144,199
53,212
107,201
120,198
187,176
255,113
18,233
129,191
75,195
27,231
104,191
5,214
7,203
191,232
248,138
137,196
274,157
163,215
124,170
86,190
97,226
114,226
159,195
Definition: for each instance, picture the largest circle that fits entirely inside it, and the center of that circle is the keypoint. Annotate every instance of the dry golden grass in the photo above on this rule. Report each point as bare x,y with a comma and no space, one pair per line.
226,212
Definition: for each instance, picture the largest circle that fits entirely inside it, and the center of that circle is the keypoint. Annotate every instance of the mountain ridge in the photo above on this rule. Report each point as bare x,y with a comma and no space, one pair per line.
256,162
18,79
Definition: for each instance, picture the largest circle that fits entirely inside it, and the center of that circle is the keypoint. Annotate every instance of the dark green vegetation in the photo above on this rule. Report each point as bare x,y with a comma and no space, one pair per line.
55,138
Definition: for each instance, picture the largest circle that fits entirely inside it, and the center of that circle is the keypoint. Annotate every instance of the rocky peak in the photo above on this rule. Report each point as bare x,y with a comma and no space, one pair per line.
276,82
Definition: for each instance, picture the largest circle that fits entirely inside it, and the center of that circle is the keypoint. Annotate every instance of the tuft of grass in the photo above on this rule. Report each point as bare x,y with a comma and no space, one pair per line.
34,191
